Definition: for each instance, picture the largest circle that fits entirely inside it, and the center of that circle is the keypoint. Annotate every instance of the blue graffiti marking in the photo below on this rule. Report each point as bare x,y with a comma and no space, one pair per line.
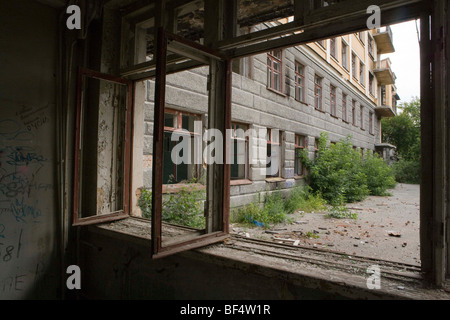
22,211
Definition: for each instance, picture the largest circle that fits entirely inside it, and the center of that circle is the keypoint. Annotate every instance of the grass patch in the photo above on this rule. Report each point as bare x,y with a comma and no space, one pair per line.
341,212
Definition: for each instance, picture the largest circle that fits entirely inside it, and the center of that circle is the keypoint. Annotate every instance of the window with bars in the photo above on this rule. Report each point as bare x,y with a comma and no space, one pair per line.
274,70
333,108
299,82
318,92
300,145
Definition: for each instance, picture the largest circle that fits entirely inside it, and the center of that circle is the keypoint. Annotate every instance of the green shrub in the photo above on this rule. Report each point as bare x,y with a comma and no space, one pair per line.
301,198
145,203
182,208
340,175
407,171
380,176
336,172
185,208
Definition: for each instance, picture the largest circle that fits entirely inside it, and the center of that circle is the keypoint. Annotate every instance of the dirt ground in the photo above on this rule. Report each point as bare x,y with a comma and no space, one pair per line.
386,228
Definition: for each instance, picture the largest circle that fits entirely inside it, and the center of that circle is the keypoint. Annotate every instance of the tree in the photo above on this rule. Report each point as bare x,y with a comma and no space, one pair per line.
403,131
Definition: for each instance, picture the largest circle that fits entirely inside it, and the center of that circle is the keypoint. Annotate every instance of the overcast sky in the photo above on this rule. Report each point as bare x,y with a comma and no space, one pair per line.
406,60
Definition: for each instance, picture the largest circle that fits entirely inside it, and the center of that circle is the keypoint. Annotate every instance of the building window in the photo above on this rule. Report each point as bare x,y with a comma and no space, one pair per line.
273,156
371,122
361,73
361,36
354,67
371,84
383,95
299,82
371,47
344,107
239,142
274,67
354,112
345,55
300,145
333,110
321,43
361,116
318,92
174,121
316,147
333,48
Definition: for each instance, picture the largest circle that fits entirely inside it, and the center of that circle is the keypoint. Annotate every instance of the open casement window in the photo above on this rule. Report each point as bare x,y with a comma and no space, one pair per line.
102,148
208,204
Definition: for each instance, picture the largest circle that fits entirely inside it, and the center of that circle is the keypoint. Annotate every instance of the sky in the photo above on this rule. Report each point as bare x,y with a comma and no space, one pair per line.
406,60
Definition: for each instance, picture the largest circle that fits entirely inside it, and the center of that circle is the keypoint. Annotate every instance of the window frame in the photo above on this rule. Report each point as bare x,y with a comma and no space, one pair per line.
246,146
333,101
299,88
345,49
318,102
125,212
354,66
354,112
344,107
299,146
271,70
333,48
271,142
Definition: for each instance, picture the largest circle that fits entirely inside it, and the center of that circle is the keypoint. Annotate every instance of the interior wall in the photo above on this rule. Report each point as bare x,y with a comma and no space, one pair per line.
28,56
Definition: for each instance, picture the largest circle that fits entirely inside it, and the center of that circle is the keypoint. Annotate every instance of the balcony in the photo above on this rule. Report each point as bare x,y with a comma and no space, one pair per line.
384,73
384,112
384,39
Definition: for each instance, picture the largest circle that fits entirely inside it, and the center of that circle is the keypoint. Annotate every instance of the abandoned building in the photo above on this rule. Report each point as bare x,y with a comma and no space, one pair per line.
84,117
341,86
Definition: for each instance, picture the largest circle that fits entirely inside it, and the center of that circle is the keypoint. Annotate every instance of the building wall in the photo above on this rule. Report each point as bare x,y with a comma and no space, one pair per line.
259,107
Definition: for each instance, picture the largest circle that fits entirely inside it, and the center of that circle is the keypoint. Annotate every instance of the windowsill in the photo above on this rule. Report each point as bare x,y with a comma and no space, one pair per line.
314,268
299,177
275,179
345,121
323,111
239,182
277,92
334,116
363,129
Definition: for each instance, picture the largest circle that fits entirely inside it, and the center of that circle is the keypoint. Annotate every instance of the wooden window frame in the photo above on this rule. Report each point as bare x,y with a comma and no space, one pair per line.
333,48
354,112
77,220
298,145
299,85
344,107
271,142
271,70
246,141
333,102
318,103
345,48
354,66
224,76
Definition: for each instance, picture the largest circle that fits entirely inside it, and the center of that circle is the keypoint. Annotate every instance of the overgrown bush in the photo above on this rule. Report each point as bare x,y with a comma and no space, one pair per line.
336,172
341,176
407,171
380,176
302,199
341,212
183,208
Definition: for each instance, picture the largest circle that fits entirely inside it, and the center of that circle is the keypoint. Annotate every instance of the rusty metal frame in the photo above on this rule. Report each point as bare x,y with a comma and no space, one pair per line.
76,219
157,250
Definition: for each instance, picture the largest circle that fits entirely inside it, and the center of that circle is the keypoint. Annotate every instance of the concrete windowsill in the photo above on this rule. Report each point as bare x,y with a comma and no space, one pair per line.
240,182
315,268
275,179
299,177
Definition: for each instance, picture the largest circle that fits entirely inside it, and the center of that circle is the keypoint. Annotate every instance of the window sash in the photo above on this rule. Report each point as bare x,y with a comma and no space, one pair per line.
299,82
274,70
